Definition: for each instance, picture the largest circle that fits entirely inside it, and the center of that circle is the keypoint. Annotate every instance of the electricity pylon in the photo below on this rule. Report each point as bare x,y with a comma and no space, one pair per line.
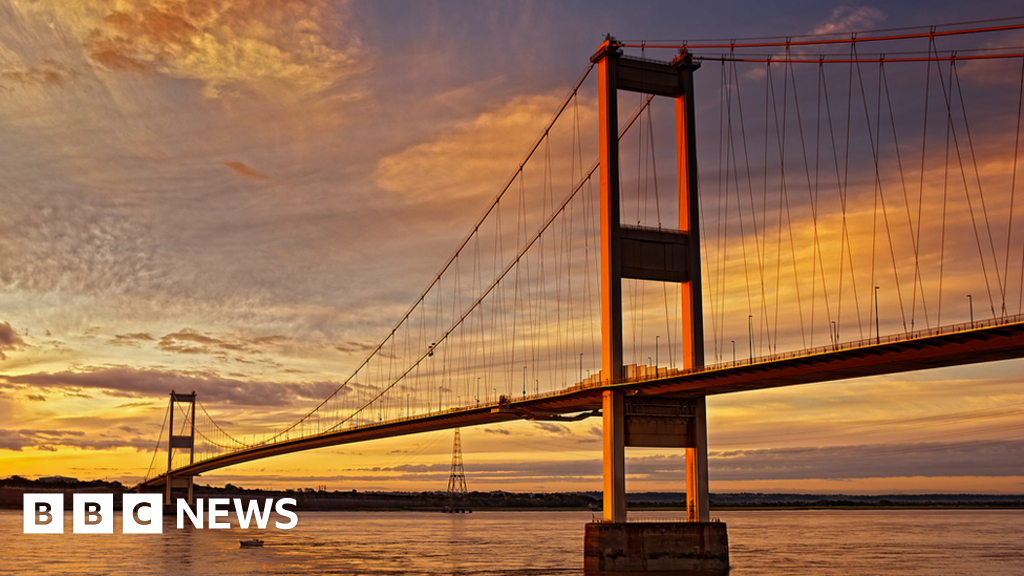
457,493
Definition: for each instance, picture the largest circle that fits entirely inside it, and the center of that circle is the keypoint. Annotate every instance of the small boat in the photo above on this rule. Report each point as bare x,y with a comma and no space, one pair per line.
251,543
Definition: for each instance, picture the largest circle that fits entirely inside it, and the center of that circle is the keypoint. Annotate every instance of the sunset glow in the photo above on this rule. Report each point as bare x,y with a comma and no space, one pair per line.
242,198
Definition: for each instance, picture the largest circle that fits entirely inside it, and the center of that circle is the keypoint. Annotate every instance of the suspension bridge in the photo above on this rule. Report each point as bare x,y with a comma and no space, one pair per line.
854,214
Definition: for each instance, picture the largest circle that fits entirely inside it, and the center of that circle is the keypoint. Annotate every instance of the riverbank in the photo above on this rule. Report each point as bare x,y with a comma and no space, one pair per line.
308,499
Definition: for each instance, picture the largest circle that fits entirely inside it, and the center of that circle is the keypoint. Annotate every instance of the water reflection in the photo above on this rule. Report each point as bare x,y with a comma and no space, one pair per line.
776,543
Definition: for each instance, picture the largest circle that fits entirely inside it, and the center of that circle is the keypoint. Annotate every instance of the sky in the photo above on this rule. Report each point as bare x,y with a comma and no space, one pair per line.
242,197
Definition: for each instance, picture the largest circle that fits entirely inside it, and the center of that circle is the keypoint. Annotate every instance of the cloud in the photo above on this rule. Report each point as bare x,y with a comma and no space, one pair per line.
847,19
138,404
75,244
552,428
49,440
9,339
125,382
244,171
471,159
353,347
131,339
230,45
929,459
188,341
994,71
47,73
579,470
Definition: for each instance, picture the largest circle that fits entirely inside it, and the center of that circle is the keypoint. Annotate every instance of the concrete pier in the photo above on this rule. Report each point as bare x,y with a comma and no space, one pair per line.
681,548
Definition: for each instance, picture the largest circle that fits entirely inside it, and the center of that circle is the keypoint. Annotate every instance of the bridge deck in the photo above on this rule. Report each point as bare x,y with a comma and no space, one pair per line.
950,346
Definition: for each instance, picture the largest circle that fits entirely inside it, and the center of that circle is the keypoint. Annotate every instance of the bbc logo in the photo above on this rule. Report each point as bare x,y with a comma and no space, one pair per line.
93,514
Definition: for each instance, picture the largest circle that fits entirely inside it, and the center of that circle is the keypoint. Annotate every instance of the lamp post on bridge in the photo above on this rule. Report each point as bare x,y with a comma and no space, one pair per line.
656,343
750,334
878,337
733,351
970,302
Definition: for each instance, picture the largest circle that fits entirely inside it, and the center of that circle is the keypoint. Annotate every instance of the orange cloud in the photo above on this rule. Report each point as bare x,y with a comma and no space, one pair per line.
128,382
473,158
49,73
9,339
244,171
236,45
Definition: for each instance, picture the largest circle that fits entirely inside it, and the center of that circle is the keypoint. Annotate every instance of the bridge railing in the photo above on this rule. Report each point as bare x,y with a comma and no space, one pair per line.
643,375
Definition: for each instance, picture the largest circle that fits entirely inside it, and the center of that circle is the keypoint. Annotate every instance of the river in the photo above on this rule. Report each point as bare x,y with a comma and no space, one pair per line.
776,543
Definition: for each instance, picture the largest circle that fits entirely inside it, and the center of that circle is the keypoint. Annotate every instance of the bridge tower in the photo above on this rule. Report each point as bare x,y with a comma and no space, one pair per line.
457,492
180,442
655,255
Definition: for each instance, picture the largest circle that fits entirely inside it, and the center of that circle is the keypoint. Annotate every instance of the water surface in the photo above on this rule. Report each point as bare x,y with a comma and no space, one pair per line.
776,543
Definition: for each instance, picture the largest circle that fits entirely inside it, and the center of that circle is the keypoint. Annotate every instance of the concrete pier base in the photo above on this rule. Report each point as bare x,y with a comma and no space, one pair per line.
682,548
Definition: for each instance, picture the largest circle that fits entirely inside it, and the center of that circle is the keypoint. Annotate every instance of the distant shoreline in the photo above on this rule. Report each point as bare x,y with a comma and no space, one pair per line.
309,500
